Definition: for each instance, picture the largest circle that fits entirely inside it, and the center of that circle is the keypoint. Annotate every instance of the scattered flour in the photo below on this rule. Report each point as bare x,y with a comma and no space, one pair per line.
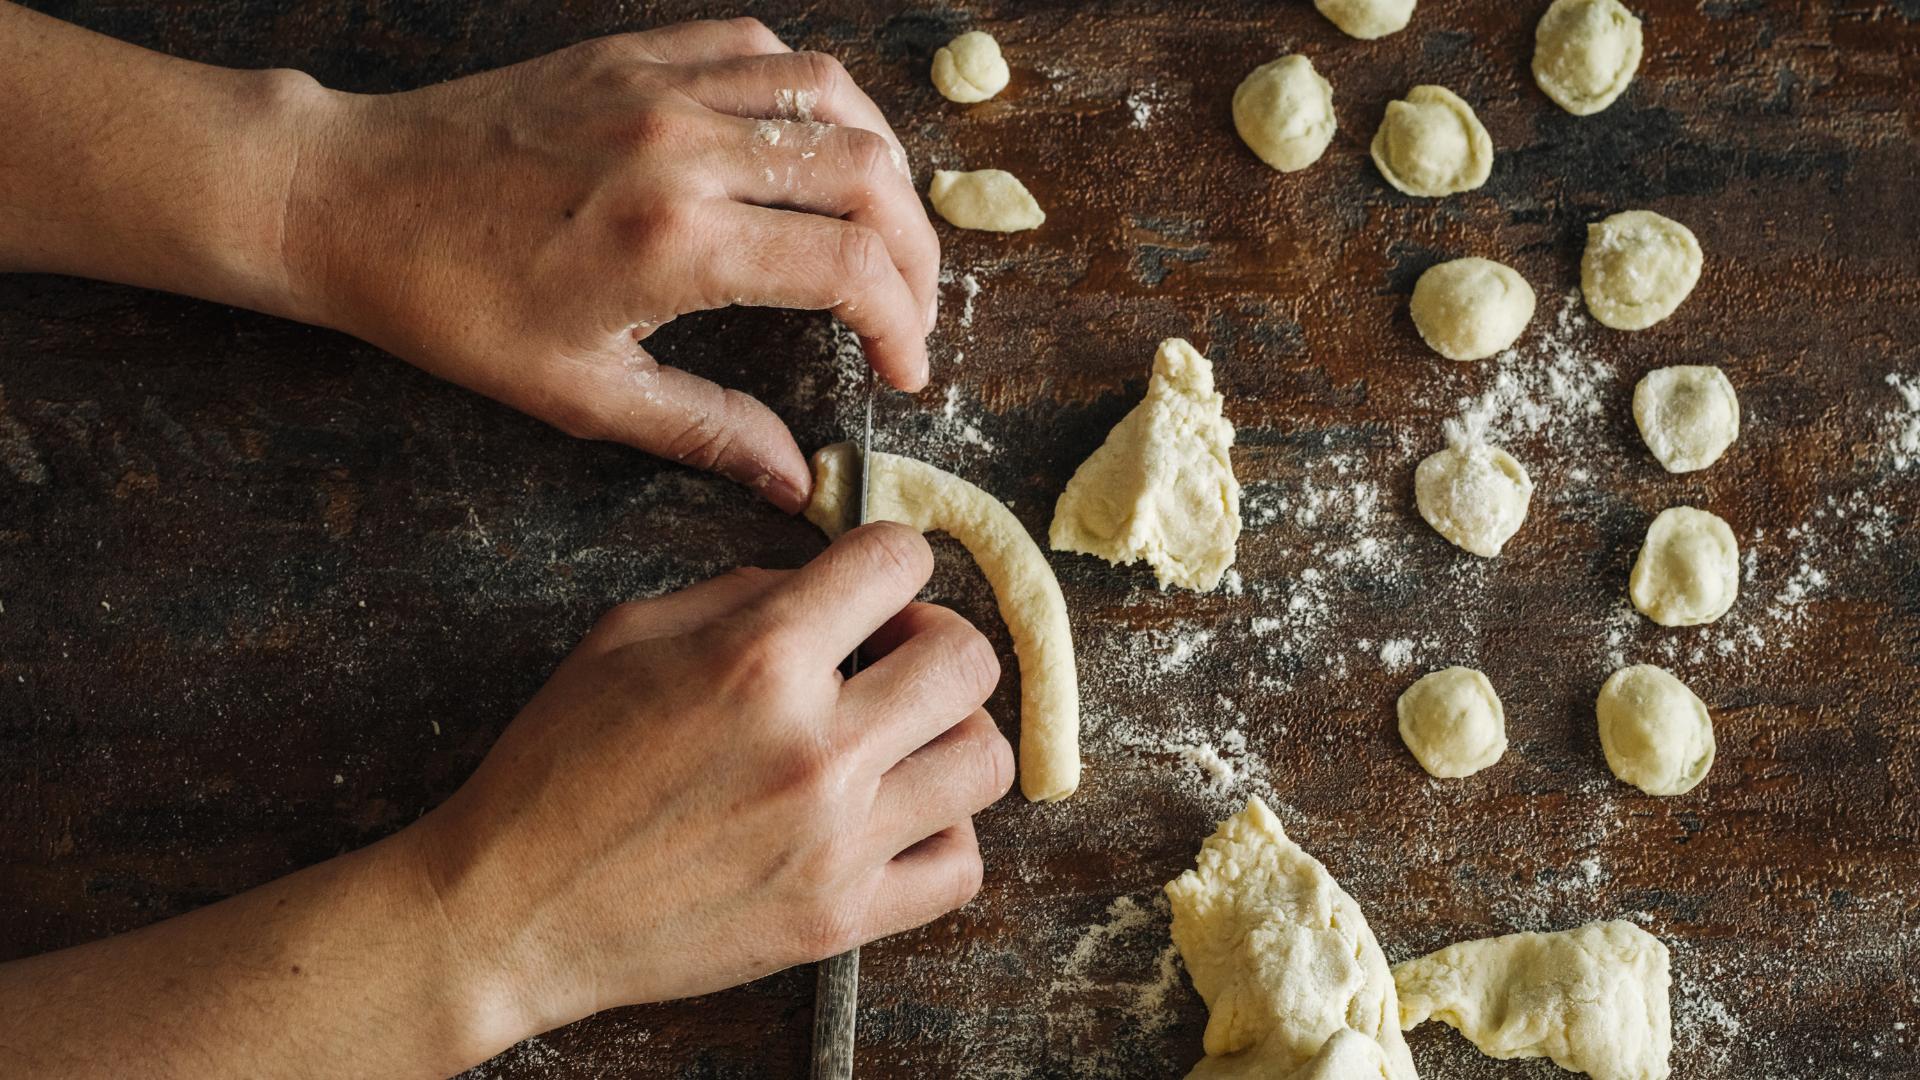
1903,423
1097,979
1397,654
1545,385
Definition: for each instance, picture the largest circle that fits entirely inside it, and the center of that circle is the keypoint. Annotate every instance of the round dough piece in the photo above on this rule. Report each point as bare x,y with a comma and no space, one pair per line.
1284,112
1688,571
1657,734
1474,495
1452,721
1585,53
1688,415
1637,268
1470,309
990,200
1367,19
970,68
1431,144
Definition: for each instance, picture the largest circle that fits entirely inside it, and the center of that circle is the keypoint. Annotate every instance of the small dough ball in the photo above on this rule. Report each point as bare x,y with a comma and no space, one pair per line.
1452,721
1284,112
1367,19
1688,571
1689,415
1585,53
1474,495
986,199
1637,268
1470,309
1657,735
1431,144
970,68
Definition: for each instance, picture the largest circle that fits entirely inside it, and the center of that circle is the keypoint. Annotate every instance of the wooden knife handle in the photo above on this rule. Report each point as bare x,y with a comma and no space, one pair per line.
834,998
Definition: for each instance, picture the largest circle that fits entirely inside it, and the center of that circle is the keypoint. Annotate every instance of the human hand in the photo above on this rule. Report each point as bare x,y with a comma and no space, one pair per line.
521,232
697,798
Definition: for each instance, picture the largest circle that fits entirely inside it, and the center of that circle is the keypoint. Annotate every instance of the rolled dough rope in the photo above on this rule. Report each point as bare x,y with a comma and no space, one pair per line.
931,500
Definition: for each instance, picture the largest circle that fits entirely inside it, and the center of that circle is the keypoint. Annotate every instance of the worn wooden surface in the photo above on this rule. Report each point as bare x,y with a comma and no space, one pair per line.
247,567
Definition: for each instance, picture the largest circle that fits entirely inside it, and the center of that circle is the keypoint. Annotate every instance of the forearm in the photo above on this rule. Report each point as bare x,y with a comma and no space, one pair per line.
126,165
346,969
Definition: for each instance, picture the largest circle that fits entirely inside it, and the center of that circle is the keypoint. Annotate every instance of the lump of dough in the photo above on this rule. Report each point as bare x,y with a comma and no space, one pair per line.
1367,19
1688,571
1284,112
1474,495
1281,955
986,199
1637,268
1161,488
1452,721
1657,734
1431,144
1470,309
1585,53
1594,999
1688,415
970,68
931,500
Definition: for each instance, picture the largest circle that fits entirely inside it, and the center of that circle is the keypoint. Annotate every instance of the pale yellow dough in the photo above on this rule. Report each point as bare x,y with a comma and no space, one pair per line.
1282,956
1161,488
1656,733
1474,495
1431,144
1585,53
1367,19
989,200
1688,415
1593,999
1470,309
1453,722
1688,571
1637,268
970,68
1284,113
931,500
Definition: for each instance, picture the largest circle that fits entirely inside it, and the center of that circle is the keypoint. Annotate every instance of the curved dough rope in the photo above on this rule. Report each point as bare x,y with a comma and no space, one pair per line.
931,500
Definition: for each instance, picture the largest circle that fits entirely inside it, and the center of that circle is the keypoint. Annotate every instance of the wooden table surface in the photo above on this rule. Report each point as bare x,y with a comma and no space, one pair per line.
267,595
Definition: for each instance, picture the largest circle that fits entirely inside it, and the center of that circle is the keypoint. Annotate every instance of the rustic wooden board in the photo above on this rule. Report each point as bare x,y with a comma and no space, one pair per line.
246,567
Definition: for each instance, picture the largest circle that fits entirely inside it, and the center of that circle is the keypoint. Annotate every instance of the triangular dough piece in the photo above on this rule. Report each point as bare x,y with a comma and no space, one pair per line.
1161,488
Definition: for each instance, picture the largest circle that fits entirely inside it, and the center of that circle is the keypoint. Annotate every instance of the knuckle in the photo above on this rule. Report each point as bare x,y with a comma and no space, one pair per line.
755,33
621,618
862,258
827,929
899,552
974,659
704,443
824,73
868,155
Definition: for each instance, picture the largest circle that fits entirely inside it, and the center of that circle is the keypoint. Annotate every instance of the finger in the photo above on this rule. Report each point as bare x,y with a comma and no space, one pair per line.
825,609
708,40
926,881
941,670
839,171
781,258
791,86
966,769
678,612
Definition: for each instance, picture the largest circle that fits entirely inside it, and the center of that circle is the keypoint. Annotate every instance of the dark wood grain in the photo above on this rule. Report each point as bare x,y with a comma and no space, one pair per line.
267,595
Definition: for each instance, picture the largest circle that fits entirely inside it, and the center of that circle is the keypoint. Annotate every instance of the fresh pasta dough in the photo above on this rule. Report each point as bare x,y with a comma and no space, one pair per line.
1284,960
970,68
1593,999
1161,488
1688,571
1688,415
1470,309
1452,721
1284,113
1367,19
1637,269
1431,144
990,200
1656,733
1585,53
1474,495
931,500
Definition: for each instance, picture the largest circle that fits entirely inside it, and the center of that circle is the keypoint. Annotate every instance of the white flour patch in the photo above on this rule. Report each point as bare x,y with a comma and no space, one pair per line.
1102,975
1545,385
1903,422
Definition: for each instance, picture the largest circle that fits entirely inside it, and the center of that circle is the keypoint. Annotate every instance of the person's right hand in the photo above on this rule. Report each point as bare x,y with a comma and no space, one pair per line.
698,798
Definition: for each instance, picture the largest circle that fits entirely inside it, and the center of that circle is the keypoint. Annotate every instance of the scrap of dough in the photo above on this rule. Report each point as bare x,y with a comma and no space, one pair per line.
1453,722
1367,19
1593,999
1284,113
986,199
970,68
1470,309
1688,571
1282,957
1688,415
1656,733
1431,144
931,500
1585,53
1474,495
1161,488
1637,268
